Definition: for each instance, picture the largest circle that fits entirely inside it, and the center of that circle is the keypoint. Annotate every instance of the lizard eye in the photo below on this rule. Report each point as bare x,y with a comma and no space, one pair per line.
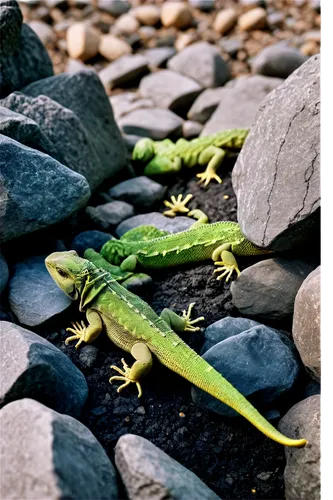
62,273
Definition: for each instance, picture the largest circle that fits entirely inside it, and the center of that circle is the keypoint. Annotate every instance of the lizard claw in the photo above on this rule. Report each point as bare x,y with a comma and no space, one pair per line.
208,175
79,330
190,322
228,270
177,205
125,375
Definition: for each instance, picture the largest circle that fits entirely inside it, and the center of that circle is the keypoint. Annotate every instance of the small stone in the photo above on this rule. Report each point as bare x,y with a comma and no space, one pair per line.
109,215
147,33
74,66
140,191
89,239
4,273
43,31
225,20
204,5
253,19
225,328
123,70
151,122
277,60
126,25
191,129
155,219
313,36
309,48
251,4
275,19
126,102
112,47
186,39
114,7
82,41
148,15
131,140
88,355
159,56
177,14
205,104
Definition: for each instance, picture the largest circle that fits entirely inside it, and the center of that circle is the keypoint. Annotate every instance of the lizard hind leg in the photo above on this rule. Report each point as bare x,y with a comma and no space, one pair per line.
224,258
214,157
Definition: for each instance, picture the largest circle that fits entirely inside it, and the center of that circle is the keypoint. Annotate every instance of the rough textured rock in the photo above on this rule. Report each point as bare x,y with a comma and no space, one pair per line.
155,123
148,472
205,104
169,89
302,472
26,63
89,239
10,25
83,93
278,60
4,273
202,62
155,219
268,289
109,215
42,451
225,328
261,379
30,183
239,103
140,191
123,70
31,367
306,323
282,149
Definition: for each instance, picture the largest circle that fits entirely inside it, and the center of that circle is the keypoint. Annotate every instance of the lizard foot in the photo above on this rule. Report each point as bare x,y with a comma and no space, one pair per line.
79,329
208,175
190,322
177,205
125,376
227,268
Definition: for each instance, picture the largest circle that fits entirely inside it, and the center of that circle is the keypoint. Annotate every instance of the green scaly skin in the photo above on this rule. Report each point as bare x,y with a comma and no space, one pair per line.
166,157
134,327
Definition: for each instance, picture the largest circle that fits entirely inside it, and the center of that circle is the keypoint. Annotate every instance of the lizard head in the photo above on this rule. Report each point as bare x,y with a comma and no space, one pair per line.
143,150
68,270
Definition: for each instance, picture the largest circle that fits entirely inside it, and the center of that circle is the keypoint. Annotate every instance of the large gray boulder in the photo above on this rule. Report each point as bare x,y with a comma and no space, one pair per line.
276,177
36,191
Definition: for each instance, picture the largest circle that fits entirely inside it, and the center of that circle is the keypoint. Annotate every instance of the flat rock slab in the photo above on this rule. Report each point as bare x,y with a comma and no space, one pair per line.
30,185
155,219
123,70
25,62
126,102
268,288
109,215
154,123
48,455
239,103
202,62
276,177
140,191
169,89
306,323
31,367
148,472
302,472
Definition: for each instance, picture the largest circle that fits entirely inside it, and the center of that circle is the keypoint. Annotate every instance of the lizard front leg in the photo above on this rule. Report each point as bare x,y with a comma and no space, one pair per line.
182,323
86,333
137,371
214,157
223,257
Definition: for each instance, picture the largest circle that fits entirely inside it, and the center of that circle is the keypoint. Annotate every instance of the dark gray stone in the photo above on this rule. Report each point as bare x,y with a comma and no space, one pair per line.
225,328
169,89
276,177
205,105
131,140
155,219
204,5
230,45
302,472
261,379
306,323
151,122
110,214
159,55
4,273
33,295
10,26
202,62
114,7
30,185
33,368
123,70
27,63
140,191
59,448
278,60
268,289
148,472
88,355
89,239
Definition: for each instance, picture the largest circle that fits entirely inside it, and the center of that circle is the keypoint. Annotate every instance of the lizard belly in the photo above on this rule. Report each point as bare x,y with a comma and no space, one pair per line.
118,334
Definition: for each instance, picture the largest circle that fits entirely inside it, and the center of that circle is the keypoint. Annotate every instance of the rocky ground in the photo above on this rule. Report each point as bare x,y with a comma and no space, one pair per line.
162,70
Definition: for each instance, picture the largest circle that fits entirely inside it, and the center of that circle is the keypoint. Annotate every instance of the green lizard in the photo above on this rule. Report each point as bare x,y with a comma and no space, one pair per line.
219,241
134,327
166,157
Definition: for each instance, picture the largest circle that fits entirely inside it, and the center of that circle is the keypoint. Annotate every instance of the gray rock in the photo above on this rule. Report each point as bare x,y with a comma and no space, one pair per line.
191,129
33,295
125,69
155,219
114,7
130,141
84,95
43,30
159,55
31,367
230,45
239,103
110,214
42,451
306,323
202,62
30,185
4,273
88,355
28,62
10,25
204,5
261,379
169,89
89,239
282,149
140,191
278,60
126,102
205,105
151,122
302,472
74,66
225,328
268,289
148,472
